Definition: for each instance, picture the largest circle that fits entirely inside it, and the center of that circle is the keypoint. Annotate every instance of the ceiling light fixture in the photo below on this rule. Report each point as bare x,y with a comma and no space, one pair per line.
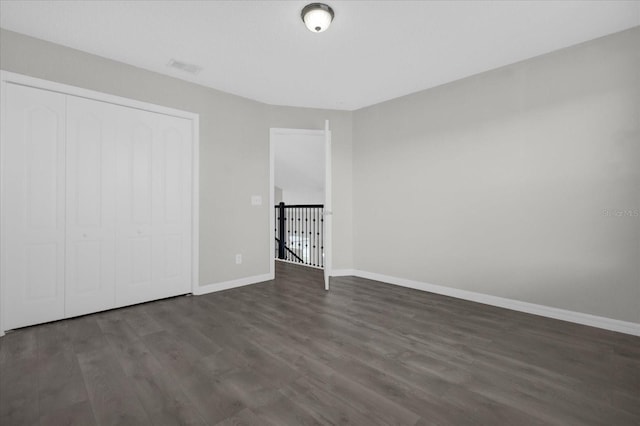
317,17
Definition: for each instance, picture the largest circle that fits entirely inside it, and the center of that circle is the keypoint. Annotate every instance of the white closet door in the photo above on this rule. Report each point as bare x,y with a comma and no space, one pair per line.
33,219
90,235
154,207
172,206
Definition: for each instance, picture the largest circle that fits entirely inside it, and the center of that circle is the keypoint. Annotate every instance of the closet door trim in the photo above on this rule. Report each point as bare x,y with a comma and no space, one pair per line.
7,77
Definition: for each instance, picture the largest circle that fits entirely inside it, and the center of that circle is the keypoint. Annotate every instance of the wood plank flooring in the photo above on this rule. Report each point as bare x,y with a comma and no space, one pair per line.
286,352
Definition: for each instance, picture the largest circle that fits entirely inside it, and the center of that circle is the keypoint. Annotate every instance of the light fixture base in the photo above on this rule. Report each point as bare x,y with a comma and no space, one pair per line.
317,16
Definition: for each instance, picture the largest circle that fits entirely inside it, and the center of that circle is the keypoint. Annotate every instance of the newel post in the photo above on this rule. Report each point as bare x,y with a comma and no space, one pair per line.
281,228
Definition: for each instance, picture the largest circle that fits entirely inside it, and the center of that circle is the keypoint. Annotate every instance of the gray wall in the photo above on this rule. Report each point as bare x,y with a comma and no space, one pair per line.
234,149
498,183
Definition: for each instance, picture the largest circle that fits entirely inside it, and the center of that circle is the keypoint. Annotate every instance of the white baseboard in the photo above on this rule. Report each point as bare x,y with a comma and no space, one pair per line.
516,305
225,285
343,272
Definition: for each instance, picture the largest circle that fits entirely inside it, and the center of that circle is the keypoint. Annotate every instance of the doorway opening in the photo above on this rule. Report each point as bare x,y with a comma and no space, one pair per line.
301,198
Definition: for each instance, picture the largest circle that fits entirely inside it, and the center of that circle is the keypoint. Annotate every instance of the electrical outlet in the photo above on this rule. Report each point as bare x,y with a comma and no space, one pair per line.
238,259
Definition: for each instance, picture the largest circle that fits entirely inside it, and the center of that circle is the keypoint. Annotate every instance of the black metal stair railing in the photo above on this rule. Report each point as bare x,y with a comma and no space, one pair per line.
289,251
300,233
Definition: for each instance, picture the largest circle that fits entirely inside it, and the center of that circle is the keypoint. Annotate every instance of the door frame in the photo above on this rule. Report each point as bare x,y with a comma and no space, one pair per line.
7,77
275,131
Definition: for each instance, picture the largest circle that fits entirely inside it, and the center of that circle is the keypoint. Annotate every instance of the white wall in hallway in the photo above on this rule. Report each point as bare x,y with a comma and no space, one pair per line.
303,197
299,169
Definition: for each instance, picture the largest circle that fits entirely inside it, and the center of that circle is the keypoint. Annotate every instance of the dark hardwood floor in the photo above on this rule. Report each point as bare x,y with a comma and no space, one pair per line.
286,352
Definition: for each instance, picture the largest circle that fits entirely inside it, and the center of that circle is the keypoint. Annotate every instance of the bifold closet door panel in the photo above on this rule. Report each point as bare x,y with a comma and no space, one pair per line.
33,217
91,205
154,207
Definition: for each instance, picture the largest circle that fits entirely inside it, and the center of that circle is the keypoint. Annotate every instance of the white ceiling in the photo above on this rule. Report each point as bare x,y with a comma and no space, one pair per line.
374,50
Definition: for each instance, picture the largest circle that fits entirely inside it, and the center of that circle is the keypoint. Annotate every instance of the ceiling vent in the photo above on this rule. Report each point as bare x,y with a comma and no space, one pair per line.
183,66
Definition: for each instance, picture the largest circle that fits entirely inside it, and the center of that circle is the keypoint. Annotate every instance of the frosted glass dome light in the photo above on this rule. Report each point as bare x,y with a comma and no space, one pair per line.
317,17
